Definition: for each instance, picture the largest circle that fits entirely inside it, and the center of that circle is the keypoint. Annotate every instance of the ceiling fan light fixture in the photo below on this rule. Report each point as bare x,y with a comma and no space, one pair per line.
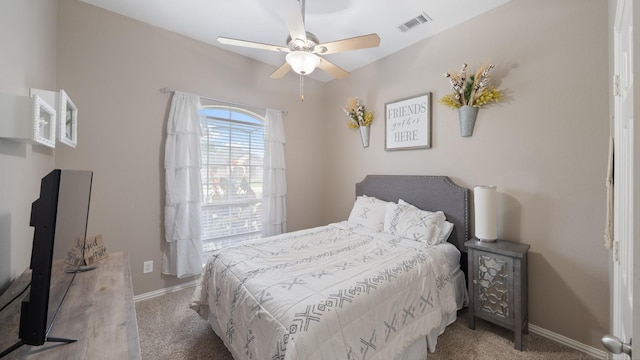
303,62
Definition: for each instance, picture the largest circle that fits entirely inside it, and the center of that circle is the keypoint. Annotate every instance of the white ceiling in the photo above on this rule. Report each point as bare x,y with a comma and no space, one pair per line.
329,20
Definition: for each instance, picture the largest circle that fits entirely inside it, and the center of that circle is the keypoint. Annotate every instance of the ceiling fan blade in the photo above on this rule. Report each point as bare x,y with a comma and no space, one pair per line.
294,18
333,69
281,71
251,44
354,43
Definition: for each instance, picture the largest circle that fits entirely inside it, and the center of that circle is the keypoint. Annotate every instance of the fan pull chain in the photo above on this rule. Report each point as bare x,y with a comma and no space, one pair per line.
301,87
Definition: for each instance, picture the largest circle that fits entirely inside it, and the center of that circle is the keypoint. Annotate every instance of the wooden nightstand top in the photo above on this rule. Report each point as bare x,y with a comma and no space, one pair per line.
501,247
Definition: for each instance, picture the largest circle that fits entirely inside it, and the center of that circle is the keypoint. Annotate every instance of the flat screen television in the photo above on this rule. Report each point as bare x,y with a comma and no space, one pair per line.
59,217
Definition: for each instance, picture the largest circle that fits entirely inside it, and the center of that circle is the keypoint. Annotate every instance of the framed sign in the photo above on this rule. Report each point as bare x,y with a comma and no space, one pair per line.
408,123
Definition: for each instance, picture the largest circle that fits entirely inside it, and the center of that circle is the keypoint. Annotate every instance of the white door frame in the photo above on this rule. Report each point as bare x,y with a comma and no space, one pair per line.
626,272
636,185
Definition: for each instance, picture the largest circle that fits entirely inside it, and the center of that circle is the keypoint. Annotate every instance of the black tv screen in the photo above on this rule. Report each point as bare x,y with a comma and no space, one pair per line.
59,217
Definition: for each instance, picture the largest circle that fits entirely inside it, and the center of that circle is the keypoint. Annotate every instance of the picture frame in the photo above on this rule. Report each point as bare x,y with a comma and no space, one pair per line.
67,120
66,129
408,123
44,122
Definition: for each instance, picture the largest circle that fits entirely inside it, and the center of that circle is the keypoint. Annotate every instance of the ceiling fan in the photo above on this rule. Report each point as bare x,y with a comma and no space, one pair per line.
303,48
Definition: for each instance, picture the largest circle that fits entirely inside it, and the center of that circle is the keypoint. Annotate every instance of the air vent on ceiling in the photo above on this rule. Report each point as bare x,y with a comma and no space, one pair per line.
420,19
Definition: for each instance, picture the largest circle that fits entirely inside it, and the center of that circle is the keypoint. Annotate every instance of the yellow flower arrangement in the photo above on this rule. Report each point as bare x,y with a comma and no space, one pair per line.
358,114
474,91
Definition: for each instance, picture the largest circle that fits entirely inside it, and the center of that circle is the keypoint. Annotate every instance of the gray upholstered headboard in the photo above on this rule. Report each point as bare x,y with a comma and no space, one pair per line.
432,193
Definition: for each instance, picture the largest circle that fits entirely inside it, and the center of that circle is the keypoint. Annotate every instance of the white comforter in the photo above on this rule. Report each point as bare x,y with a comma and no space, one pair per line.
333,292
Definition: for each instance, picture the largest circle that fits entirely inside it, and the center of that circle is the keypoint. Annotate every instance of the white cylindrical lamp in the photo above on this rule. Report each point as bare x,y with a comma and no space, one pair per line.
486,212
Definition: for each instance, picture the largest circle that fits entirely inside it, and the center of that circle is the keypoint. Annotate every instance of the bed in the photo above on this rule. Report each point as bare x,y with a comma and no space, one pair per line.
362,288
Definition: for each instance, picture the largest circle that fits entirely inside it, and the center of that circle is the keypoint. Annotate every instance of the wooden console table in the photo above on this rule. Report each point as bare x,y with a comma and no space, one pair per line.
98,311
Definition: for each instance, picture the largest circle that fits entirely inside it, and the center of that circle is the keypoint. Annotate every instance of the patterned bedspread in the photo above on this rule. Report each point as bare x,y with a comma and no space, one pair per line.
334,292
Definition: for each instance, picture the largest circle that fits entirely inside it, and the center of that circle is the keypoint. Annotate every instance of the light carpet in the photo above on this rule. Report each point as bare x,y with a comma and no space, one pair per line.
169,329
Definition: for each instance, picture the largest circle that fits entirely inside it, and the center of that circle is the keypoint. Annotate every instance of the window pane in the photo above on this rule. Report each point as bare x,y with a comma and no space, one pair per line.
217,112
232,148
245,118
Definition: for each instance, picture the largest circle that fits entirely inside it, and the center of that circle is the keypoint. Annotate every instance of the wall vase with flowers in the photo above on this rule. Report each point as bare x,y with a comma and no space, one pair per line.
359,118
469,95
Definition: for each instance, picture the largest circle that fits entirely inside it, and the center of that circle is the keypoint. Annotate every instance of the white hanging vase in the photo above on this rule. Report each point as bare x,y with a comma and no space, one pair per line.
467,115
364,135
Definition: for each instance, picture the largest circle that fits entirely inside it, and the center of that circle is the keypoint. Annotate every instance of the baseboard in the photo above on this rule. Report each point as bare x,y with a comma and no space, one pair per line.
597,353
159,292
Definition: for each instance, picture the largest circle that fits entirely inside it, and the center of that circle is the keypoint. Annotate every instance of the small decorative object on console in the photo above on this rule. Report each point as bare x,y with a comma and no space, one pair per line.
94,250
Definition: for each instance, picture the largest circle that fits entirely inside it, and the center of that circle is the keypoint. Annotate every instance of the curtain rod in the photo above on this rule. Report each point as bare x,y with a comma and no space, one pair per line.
166,90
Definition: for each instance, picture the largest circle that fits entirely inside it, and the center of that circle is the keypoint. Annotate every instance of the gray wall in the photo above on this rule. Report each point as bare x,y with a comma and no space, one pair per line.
113,68
28,38
545,147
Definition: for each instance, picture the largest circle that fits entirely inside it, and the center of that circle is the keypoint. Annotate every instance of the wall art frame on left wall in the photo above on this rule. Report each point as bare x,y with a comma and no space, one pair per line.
408,123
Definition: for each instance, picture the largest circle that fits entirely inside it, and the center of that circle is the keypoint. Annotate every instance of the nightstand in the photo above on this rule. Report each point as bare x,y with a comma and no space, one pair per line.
498,285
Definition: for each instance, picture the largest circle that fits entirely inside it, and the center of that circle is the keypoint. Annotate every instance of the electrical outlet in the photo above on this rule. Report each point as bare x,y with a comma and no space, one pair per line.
148,267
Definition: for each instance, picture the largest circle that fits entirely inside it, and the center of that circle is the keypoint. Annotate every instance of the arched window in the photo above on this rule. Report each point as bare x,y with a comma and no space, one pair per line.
232,147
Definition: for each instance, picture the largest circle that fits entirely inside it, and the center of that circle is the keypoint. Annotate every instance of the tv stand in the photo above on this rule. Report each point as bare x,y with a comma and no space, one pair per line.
98,311
48,339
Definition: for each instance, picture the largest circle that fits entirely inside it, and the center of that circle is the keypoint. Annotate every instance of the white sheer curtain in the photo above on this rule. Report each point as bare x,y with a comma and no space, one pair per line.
274,185
183,187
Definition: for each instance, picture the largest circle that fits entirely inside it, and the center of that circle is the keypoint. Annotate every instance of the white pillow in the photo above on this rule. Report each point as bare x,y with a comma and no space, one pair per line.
445,232
369,212
388,227
388,215
420,225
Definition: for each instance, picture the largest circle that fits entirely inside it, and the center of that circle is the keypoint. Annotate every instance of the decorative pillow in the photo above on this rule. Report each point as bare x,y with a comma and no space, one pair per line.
390,213
369,212
390,210
391,222
445,232
420,225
